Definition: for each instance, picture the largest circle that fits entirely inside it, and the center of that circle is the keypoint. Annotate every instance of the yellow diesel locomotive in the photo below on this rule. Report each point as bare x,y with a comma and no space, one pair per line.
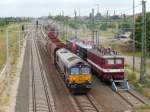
76,72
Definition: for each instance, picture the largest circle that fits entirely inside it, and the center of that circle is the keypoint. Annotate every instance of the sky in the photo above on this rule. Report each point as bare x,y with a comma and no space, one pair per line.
37,8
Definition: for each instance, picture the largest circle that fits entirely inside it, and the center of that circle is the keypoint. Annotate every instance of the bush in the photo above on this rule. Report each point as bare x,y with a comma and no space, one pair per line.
131,76
103,27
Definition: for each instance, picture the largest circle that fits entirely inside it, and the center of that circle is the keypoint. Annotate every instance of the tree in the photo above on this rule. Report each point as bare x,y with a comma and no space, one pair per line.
125,27
103,27
138,32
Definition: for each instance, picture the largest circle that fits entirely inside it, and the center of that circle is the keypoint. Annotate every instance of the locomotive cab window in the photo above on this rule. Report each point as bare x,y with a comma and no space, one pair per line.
85,70
110,61
114,61
74,71
118,61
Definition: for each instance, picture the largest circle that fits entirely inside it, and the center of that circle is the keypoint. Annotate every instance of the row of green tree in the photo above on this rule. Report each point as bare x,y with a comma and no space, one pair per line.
7,20
3,22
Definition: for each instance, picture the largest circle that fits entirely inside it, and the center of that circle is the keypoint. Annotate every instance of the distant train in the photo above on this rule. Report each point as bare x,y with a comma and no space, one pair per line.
107,64
74,70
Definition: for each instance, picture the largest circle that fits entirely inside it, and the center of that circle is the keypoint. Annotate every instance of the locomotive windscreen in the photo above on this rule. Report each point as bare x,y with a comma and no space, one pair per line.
85,70
74,71
114,61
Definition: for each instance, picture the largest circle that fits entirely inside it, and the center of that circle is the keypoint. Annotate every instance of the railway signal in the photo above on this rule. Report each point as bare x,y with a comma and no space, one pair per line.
22,27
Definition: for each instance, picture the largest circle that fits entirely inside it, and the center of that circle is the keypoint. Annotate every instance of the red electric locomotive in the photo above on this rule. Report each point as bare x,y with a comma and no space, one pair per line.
107,64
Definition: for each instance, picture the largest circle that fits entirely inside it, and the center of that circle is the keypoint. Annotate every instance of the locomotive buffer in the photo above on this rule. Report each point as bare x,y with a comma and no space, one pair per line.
120,85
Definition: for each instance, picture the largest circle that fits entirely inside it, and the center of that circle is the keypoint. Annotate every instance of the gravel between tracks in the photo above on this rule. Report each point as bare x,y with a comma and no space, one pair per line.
22,103
39,92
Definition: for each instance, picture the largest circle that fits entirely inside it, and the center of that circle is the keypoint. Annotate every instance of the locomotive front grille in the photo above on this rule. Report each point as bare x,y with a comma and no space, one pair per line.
80,79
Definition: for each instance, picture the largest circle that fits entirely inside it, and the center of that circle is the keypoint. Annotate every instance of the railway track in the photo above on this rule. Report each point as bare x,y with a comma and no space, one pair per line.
131,98
80,103
60,92
87,103
40,99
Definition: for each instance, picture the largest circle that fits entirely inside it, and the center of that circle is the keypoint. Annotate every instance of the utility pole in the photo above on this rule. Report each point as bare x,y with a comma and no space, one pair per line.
114,12
93,25
66,27
75,14
19,42
133,35
79,11
97,32
7,46
79,23
107,19
124,17
97,44
62,23
143,39
97,8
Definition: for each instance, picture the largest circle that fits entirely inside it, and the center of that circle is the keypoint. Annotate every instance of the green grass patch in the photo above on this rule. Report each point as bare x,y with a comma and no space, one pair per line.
133,79
137,54
148,65
145,108
13,46
108,33
138,87
142,88
2,47
130,75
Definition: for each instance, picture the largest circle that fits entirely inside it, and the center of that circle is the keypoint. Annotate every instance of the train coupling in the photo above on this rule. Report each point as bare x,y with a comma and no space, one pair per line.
118,85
